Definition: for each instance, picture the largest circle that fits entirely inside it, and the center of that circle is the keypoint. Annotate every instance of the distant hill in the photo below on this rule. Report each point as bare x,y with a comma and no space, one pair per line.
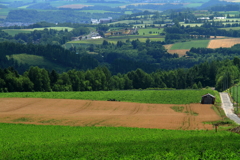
34,60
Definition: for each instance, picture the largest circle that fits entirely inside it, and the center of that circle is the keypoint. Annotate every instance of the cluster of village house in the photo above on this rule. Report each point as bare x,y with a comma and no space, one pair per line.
101,20
207,18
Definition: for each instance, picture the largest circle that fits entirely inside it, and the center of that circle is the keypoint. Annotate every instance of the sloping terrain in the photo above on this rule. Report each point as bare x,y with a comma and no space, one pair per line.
105,113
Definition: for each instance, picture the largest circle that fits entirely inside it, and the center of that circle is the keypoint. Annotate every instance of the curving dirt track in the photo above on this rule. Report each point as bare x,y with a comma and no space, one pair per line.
104,113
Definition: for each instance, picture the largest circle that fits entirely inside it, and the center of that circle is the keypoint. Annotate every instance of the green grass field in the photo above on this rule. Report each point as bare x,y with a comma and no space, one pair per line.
19,141
189,45
141,96
4,11
190,5
13,32
231,28
229,12
128,12
146,31
35,60
94,11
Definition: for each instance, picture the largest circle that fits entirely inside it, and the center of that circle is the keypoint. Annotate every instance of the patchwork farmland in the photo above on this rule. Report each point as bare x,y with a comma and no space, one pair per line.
183,47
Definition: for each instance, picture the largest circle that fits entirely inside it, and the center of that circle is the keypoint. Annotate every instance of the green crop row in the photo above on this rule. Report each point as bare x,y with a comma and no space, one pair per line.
20,141
141,96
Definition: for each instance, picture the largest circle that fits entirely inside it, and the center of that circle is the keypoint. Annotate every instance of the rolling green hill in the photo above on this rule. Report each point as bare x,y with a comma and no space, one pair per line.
34,60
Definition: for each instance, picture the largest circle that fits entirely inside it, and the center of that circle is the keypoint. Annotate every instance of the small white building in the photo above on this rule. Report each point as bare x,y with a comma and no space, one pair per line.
95,21
220,18
204,18
97,37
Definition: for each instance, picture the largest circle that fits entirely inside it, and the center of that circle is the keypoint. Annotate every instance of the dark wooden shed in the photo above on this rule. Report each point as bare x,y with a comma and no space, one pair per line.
208,99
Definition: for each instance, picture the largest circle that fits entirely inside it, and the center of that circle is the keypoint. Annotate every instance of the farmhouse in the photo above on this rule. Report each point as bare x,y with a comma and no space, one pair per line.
204,18
96,37
219,18
105,20
208,99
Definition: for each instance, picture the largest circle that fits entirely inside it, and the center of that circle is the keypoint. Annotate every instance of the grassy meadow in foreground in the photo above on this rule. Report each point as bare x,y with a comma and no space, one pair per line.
141,96
20,141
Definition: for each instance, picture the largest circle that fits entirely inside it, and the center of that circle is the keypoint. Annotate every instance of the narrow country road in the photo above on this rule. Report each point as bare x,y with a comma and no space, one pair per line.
228,107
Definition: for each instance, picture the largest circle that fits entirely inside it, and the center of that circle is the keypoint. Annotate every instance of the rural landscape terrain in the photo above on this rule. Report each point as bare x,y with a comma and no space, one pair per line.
119,79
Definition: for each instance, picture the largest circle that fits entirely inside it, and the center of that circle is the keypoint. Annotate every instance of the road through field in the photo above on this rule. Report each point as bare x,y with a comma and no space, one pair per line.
228,107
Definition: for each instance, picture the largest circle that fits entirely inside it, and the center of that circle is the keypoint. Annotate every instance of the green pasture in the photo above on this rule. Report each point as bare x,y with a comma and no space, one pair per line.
34,60
16,31
60,3
140,96
13,32
190,44
155,31
229,12
4,11
94,11
231,28
104,4
20,141
3,17
231,20
128,12
192,5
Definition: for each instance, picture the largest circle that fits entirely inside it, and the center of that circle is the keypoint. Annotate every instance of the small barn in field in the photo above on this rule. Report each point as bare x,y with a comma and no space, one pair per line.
208,99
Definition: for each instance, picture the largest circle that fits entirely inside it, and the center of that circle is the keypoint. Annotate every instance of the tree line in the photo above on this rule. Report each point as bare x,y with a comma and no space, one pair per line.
219,74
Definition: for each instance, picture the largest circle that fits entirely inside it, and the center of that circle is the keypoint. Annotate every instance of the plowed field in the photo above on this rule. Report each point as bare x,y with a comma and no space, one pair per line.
104,113
224,43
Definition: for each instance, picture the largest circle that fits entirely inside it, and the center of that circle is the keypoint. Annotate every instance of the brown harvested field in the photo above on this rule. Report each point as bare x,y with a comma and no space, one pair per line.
104,113
224,43
180,52
74,6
